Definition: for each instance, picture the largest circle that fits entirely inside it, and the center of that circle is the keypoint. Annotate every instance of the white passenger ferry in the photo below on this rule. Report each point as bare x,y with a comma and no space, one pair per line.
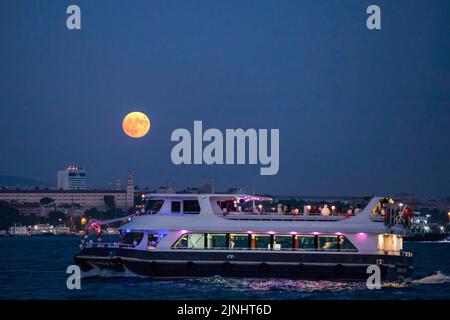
195,235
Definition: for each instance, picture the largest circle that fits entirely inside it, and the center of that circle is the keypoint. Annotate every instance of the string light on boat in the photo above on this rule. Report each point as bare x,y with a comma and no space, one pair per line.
401,204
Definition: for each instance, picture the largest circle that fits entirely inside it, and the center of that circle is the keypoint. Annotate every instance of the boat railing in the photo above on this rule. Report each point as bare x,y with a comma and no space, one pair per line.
281,217
119,245
378,252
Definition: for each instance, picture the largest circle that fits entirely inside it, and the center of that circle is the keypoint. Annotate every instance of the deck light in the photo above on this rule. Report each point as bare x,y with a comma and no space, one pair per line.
184,231
249,232
362,235
271,232
401,204
293,232
315,233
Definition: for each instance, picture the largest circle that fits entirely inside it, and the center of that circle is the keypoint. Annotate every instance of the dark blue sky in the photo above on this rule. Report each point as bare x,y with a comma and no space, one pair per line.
359,111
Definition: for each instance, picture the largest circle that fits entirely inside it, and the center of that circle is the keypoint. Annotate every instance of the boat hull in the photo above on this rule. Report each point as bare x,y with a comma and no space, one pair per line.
294,265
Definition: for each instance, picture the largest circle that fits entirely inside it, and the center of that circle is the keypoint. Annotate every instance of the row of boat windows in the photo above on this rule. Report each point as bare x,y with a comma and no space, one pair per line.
263,241
185,206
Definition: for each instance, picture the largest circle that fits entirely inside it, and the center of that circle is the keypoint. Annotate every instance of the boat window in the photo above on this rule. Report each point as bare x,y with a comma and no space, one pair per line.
328,243
217,240
345,244
260,241
191,241
153,240
132,238
238,241
191,206
154,205
176,206
282,242
305,242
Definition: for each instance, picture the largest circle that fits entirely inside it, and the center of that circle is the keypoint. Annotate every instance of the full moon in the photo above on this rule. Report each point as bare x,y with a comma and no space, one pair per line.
136,124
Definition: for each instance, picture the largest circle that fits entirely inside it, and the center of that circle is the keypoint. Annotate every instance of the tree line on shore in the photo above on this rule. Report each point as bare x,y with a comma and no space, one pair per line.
58,215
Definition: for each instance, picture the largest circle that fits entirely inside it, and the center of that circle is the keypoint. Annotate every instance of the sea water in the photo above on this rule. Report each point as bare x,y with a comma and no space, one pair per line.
35,268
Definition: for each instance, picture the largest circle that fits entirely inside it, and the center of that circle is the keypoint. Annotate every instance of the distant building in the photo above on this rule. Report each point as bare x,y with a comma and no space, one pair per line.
71,178
130,192
237,190
124,199
166,189
207,186
33,208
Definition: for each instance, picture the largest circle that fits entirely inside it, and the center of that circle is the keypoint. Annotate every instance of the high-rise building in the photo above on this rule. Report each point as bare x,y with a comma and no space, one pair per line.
72,178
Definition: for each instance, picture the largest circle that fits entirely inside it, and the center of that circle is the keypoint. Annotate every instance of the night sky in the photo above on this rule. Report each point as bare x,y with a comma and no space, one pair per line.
359,111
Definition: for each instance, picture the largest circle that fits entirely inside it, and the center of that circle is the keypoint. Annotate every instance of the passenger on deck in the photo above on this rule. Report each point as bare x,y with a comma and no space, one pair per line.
325,210
305,210
280,208
350,211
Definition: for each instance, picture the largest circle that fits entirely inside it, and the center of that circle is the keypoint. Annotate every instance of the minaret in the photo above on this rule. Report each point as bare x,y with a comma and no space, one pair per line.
130,192
117,184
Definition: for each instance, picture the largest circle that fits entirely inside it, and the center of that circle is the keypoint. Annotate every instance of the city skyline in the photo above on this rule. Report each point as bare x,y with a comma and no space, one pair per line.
359,111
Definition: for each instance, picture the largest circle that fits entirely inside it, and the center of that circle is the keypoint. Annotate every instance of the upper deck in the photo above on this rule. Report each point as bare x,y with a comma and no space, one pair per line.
256,208
242,213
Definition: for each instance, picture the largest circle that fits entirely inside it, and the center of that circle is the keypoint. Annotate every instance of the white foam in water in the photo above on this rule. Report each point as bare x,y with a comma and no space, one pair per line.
105,273
439,277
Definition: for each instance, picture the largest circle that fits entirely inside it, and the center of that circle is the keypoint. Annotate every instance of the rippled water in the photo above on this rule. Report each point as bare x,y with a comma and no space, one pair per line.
35,268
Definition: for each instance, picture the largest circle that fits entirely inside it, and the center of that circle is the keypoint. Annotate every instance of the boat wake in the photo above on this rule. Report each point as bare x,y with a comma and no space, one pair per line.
105,273
439,277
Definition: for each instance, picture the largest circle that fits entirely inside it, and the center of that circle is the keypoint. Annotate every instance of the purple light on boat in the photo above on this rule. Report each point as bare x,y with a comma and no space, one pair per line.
293,232
271,232
315,233
249,232
339,233
361,235
184,231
